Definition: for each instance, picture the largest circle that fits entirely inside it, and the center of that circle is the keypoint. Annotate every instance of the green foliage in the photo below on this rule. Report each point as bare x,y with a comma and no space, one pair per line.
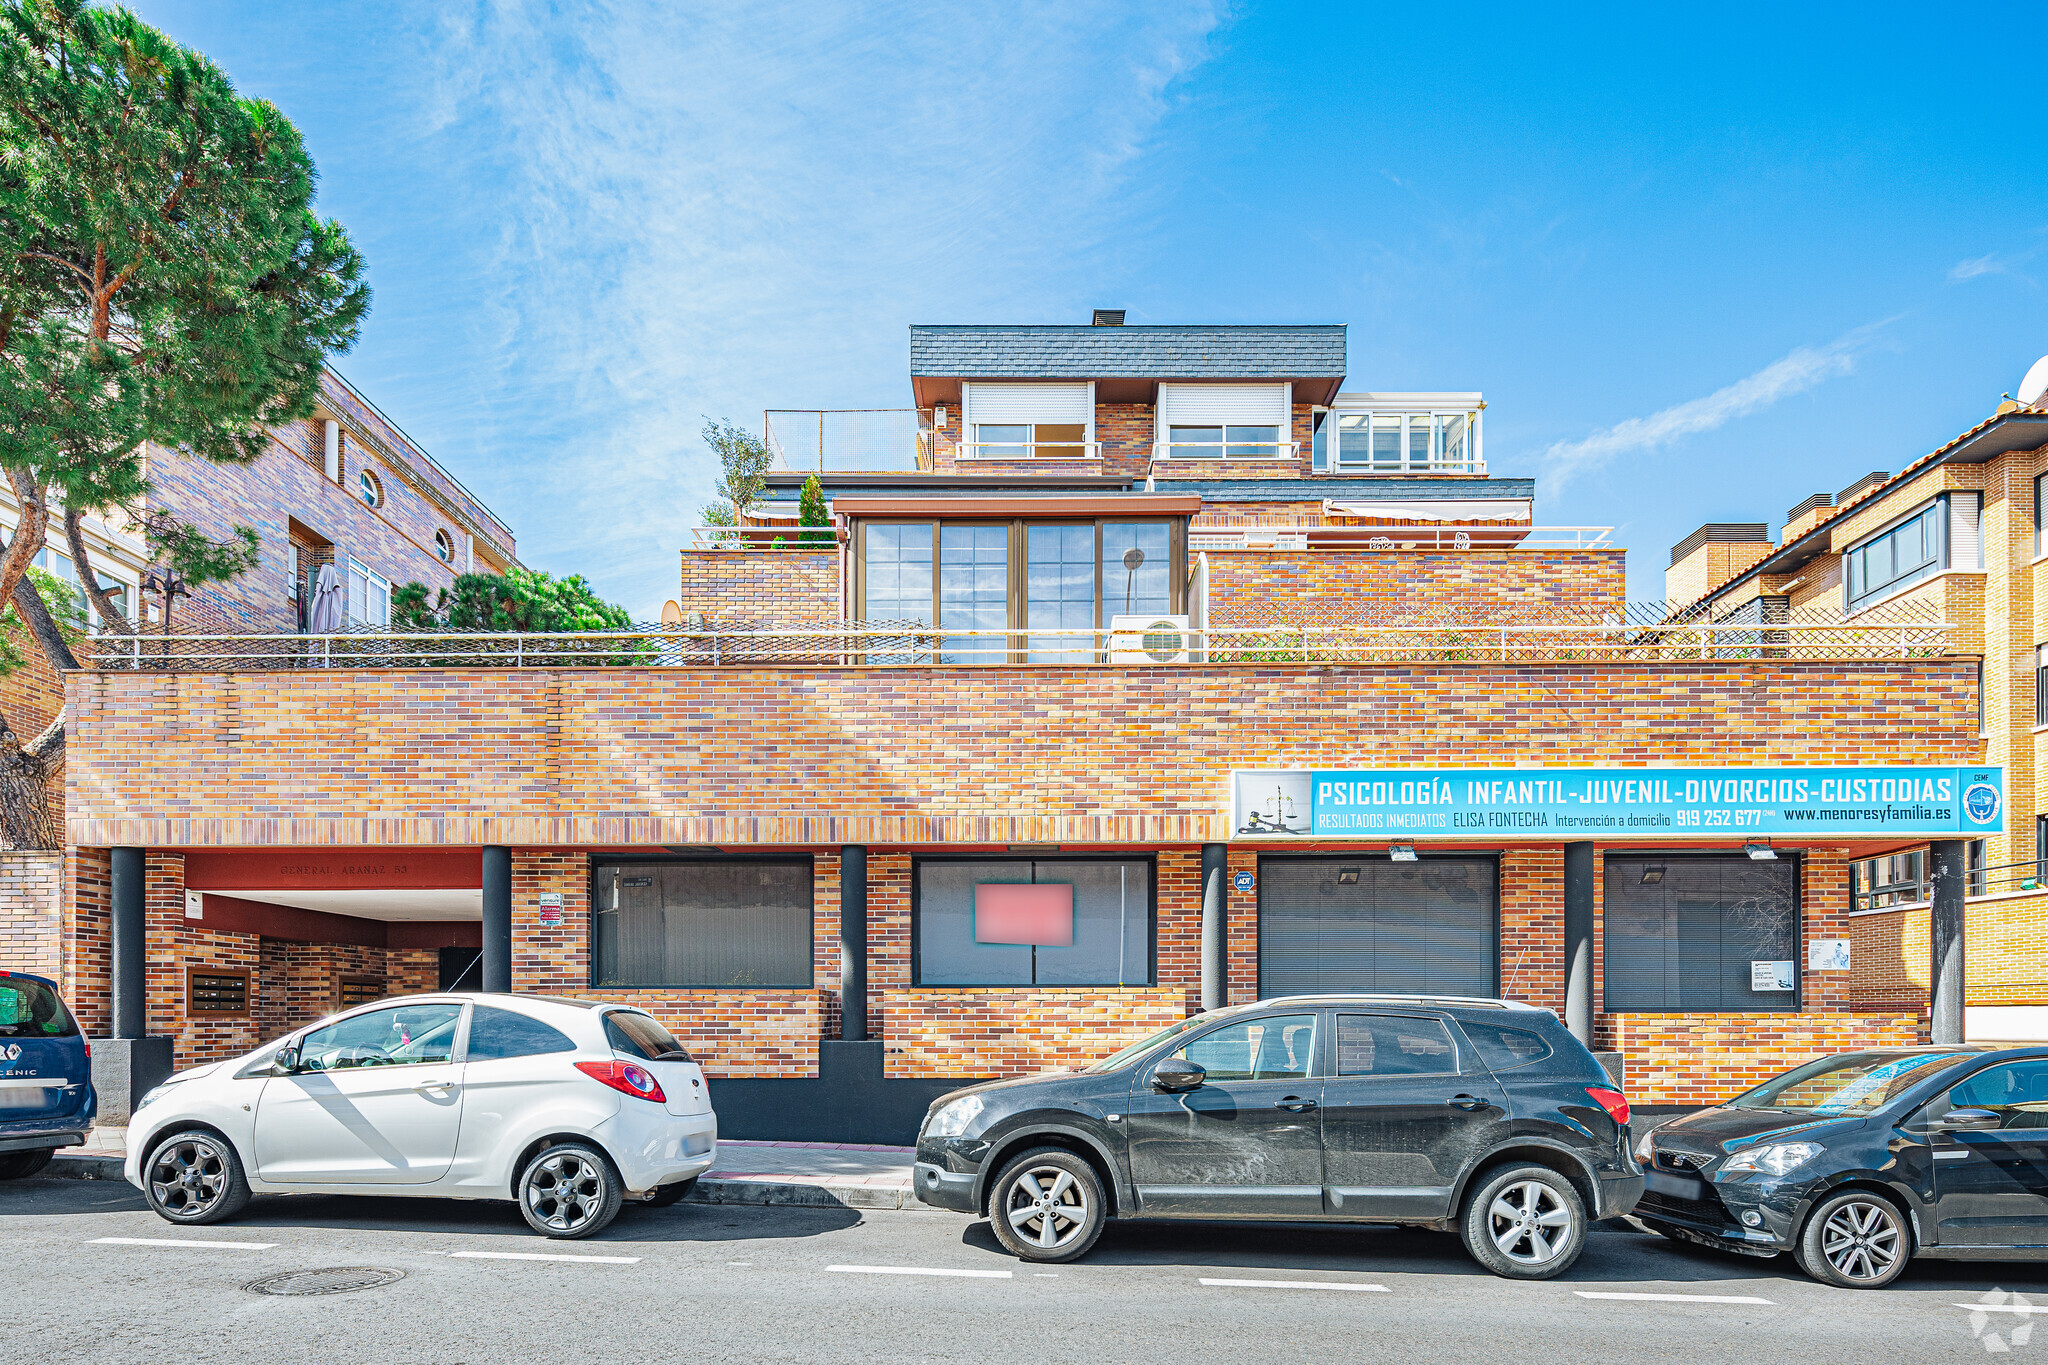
810,511
194,556
162,274
520,600
65,608
743,460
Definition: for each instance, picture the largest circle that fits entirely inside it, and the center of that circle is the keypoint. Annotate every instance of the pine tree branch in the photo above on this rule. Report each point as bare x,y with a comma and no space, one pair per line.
89,578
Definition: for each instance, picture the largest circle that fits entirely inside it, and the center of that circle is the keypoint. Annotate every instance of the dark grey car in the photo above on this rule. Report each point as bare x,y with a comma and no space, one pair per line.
1476,1115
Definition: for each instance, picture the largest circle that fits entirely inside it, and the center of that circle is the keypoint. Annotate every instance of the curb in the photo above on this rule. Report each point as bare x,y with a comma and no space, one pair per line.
765,1193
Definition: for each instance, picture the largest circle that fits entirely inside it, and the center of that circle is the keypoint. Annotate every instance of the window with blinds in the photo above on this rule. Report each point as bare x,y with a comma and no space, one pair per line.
1357,924
1698,934
722,923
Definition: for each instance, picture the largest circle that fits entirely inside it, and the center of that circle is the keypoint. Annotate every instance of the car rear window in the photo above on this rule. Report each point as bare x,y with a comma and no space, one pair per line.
495,1034
1503,1049
29,1009
643,1037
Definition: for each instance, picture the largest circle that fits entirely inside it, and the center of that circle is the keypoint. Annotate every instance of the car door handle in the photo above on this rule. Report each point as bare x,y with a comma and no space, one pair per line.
1467,1102
435,1085
1294,1104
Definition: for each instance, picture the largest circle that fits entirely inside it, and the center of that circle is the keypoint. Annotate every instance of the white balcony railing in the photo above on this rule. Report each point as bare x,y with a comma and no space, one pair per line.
781,536
1319,537
1031,450
1226,452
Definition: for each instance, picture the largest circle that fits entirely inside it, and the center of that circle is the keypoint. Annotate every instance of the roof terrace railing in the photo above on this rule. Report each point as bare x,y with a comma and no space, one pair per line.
1316,536
918,644
786,535
820,439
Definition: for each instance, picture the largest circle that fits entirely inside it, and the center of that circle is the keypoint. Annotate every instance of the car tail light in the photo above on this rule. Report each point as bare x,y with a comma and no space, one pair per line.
1613,1101
86,1041
625,1078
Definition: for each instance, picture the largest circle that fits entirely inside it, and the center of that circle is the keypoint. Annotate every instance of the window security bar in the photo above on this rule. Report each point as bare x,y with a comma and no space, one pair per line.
919,644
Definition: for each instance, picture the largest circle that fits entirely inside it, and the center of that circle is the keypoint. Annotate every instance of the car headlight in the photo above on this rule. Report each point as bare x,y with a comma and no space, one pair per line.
1775,1158
1646,1150
153,1094
955,1118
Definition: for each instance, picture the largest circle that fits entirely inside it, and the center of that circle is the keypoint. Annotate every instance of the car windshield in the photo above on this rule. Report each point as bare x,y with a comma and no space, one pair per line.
1145,1045
1854,1083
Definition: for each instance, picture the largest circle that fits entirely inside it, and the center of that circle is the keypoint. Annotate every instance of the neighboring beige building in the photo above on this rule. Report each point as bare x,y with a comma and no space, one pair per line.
1955,536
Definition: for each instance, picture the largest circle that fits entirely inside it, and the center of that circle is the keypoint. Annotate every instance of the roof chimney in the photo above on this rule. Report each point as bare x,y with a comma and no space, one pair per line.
1712,555
1806,516
1870,480
1109,317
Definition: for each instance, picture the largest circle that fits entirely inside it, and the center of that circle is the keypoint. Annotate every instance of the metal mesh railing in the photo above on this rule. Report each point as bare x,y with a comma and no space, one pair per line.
1325,634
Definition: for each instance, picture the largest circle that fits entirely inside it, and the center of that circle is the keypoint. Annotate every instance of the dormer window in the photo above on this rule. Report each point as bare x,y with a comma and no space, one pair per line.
1224,422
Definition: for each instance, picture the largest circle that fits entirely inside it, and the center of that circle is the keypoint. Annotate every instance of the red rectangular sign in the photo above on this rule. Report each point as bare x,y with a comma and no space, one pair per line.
1042,915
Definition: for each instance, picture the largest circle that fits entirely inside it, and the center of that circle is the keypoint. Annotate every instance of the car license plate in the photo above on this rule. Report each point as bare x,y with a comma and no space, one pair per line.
24,1097
1677,1186
696,1144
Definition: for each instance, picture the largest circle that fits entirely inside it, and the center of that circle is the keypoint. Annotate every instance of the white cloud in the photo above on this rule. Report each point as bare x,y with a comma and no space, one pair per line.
1795,372
1980,265
715,209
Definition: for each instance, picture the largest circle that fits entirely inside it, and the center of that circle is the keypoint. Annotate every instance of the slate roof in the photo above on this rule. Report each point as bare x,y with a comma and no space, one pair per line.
1065,352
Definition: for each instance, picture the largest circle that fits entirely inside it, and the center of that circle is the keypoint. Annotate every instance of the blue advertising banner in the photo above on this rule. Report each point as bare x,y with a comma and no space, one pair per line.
1619,803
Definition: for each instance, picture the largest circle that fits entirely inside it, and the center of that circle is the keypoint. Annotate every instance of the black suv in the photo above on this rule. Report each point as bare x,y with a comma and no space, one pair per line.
1479,1115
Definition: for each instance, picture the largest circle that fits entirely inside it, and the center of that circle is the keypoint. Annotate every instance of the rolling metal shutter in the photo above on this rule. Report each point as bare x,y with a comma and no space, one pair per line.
1030,404
1680,932
1430,927
1252,405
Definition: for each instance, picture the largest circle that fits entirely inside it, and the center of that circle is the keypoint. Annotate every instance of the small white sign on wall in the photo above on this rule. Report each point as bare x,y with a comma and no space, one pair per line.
551,907
1828,955
195,905
1772,976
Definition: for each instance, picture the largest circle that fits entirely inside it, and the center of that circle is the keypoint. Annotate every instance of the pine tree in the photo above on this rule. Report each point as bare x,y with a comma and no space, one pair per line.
810,511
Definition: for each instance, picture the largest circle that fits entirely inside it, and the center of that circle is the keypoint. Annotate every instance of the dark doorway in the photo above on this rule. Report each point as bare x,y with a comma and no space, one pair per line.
462,969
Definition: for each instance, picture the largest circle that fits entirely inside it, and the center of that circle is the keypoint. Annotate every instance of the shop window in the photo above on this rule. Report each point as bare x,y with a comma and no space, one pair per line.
1027,922
1706,934
1363,924
722,923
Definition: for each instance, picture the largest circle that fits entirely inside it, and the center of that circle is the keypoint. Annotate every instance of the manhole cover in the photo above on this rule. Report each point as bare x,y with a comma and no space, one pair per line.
341,1279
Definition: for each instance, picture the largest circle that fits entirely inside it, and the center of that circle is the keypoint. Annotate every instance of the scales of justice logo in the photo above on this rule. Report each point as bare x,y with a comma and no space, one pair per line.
1272,803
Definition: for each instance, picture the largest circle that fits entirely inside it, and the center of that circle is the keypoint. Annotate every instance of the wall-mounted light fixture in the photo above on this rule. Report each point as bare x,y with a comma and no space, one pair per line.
1401,853
1760,850
1347,876
1031,848
1652,875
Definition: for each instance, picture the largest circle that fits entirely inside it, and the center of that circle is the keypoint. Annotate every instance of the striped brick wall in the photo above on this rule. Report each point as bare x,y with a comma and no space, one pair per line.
31,912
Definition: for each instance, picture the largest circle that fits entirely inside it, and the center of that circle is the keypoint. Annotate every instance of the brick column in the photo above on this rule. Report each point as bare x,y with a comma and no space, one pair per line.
497,975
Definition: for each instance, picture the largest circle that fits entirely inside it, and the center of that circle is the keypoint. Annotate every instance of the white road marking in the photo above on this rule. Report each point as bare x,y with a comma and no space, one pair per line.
2003,1307
1042,1275
175,1242
739,1262
1297,1284
541,1256
1672,1298
919,1270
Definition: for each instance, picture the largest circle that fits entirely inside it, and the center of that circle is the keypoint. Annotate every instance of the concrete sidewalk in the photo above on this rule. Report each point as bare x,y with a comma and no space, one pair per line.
816,1174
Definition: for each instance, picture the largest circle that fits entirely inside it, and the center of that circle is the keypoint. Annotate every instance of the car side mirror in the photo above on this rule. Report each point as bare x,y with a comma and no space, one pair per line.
286,1060
1967,1121
1177,1074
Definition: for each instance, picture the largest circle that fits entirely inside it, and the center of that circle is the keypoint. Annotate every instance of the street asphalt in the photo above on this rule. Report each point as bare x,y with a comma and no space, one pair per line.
704,1283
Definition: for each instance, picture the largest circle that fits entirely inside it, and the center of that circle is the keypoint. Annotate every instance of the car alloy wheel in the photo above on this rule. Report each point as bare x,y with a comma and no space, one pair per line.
1529,1223
1047,1207
188,1177
1862,1240
565,1192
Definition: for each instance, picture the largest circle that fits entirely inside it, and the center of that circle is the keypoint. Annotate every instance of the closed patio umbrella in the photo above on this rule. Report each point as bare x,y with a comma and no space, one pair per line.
327,611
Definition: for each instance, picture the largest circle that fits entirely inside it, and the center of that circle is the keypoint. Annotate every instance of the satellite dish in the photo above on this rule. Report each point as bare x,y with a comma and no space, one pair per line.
2035,384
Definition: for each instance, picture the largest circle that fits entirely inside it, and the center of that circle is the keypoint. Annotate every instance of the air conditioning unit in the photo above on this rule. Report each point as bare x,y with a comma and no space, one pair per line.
1150,640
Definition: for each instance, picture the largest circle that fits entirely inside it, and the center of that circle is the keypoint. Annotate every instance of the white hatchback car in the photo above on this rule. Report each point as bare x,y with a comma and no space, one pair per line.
566,1107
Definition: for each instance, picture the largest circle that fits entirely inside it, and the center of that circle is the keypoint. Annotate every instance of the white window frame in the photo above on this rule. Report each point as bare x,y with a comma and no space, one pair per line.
970,420
360,578
1163,421
1433,414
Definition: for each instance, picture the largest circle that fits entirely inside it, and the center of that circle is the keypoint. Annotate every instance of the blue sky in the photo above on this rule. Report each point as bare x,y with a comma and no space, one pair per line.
1702,262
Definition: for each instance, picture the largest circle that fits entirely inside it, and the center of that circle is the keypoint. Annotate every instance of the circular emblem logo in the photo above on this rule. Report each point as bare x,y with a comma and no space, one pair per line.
1980,803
